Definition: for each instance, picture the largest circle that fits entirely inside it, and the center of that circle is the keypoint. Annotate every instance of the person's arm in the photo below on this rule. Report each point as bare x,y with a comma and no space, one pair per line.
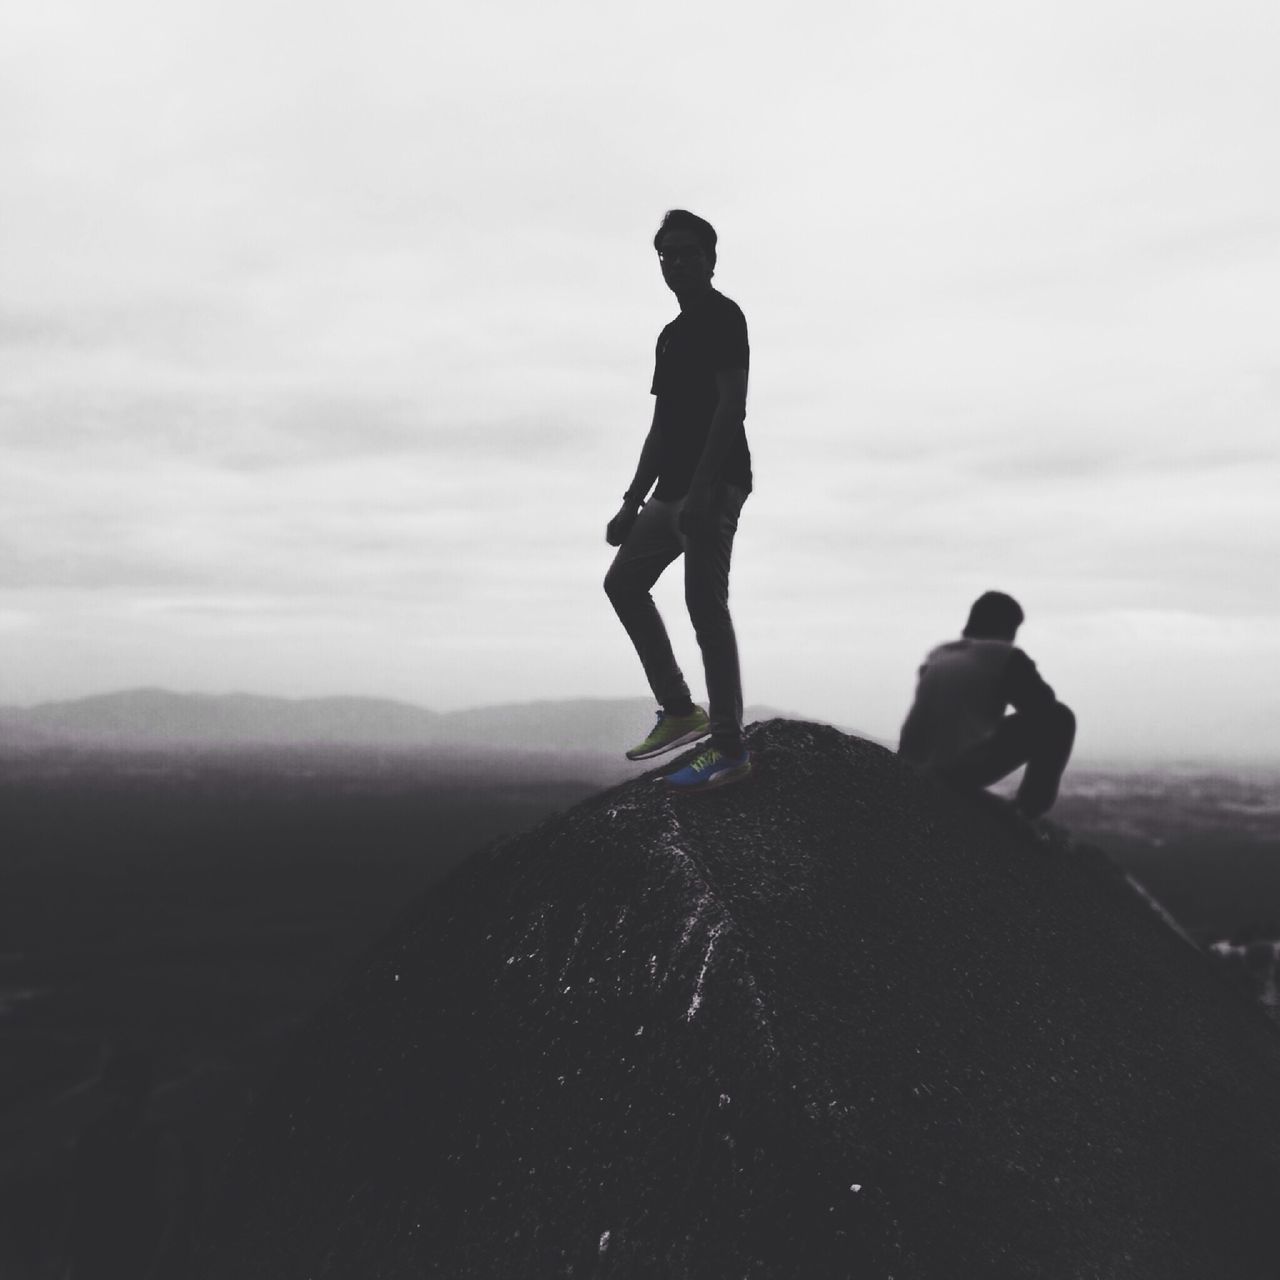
726,423
1023,687
647,467
913,737
646,473
729,353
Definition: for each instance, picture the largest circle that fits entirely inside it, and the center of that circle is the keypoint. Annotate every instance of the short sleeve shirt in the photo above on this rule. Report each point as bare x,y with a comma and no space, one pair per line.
708,338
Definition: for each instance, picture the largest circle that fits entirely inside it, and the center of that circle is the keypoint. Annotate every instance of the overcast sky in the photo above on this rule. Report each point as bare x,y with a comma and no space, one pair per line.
326,333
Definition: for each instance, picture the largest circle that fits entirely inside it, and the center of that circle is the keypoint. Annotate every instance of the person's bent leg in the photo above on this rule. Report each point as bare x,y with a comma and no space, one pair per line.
653,543
1007,748
1052,735
707,558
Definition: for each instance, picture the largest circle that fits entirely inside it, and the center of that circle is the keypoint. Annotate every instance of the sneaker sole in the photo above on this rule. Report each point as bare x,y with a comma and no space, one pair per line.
720,780
692,736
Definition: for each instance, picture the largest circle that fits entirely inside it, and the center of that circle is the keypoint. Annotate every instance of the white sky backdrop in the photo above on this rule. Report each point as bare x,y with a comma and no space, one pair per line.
326,332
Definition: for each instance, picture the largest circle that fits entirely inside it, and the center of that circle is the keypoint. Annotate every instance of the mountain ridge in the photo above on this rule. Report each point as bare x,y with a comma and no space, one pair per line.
152,715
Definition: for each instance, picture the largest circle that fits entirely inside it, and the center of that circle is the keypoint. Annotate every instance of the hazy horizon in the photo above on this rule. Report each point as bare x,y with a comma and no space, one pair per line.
326,336
1081,762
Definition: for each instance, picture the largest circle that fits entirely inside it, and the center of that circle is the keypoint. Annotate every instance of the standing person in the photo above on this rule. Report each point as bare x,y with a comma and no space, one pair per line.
957,727
696,451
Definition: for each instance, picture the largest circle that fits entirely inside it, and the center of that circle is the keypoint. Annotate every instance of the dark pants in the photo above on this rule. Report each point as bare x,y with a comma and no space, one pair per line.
1041,740
654,542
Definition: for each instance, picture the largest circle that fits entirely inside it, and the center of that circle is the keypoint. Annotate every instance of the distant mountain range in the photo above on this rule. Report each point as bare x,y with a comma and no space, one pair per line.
147,718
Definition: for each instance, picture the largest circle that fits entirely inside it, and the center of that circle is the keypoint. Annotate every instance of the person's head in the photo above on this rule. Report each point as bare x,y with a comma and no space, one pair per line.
994,616
686,246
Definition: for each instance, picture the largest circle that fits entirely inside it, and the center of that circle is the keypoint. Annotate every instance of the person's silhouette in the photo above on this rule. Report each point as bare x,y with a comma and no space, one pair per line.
696,451
957,727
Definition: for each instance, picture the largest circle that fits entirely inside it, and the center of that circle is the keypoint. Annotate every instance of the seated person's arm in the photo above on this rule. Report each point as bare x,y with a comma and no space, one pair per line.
912,738
1022,685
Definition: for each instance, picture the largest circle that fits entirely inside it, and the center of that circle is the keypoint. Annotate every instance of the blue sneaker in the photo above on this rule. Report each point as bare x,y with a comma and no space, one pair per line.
709,770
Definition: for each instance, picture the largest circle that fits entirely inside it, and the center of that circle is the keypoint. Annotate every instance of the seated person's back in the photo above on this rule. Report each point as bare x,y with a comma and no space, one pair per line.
957,727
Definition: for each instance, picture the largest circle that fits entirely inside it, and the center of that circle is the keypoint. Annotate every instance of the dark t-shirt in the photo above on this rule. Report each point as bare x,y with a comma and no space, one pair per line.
964,688
708,338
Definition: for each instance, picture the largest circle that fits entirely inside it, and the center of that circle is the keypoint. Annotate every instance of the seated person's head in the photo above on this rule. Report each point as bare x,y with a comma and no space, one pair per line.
994,616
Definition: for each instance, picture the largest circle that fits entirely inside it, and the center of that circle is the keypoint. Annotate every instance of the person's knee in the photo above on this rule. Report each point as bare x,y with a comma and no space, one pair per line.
1064,719
707,602
710,619
1060,725
616,585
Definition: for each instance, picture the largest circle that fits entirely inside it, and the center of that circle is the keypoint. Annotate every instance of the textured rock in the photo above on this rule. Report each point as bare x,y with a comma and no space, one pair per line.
831,1023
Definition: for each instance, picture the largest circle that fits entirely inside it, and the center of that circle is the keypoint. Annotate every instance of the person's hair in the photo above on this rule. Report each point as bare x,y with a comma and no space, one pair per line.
683,220
994,616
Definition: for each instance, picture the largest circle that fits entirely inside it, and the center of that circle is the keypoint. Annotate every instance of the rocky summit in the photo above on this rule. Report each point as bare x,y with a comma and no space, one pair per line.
831,1022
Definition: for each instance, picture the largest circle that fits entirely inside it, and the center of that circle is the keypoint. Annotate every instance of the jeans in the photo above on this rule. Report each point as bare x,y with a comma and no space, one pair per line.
654,542
1041,740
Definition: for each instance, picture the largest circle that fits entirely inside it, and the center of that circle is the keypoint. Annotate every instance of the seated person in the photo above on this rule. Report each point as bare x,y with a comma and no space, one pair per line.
957,728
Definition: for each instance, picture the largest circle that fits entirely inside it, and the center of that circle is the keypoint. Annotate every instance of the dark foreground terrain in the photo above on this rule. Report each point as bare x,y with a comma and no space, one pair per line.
200,904
1205,843
836,1024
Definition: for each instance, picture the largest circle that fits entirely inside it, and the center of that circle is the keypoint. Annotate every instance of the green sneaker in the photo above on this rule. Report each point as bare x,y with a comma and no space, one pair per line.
671,732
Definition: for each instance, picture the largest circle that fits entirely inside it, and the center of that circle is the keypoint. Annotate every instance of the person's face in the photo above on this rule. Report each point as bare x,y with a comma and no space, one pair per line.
685,265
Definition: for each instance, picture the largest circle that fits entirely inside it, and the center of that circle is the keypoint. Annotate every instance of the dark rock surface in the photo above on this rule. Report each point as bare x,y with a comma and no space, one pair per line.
831,1023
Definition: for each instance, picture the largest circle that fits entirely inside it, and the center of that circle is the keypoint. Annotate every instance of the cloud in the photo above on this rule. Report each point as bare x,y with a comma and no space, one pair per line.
327,336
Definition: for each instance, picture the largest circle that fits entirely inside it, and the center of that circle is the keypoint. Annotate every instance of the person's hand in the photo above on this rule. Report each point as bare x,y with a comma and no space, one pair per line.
615,533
